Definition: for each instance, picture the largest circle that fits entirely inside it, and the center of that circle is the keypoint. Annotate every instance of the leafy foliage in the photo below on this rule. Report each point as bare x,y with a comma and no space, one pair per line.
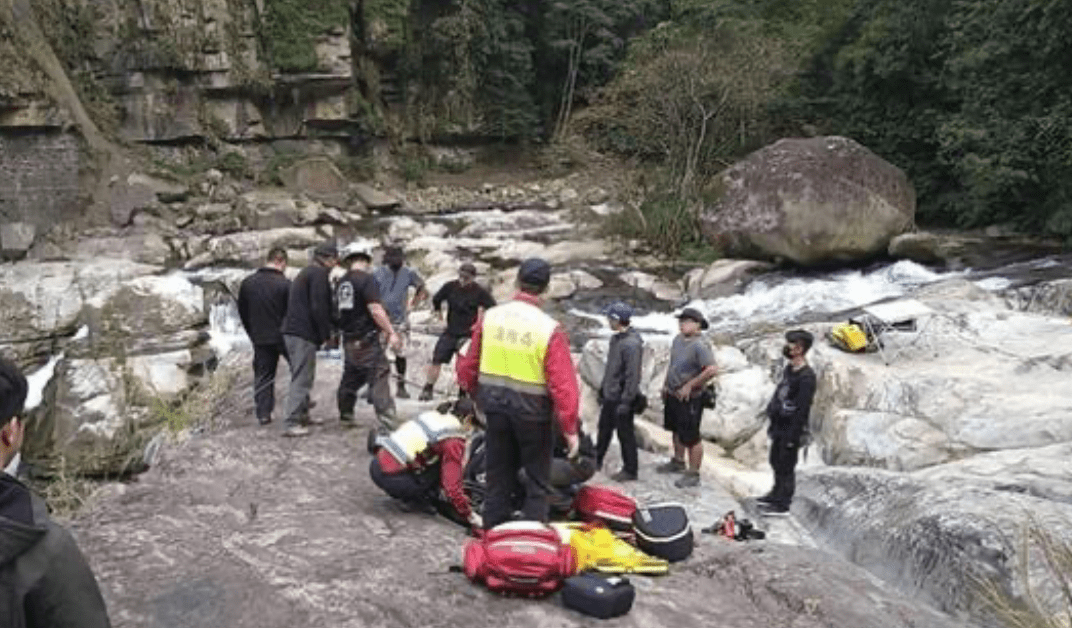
292,26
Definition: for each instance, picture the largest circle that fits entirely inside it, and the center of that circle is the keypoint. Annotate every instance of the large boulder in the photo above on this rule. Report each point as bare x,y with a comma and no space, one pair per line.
251,247
319,179
16,238
722,278
810,201
945,534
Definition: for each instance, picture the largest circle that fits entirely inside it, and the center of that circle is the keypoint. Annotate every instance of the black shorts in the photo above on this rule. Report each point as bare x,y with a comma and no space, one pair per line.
446,347
683,418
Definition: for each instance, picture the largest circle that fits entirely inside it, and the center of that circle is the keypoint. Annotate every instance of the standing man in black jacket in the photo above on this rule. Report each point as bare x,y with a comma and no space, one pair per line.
466,300
362,318
262,305
621,384
44,579
307,326
788,411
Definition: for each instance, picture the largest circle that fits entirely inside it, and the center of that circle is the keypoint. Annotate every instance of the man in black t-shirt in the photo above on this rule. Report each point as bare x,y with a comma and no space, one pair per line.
465,300
789,410
360,319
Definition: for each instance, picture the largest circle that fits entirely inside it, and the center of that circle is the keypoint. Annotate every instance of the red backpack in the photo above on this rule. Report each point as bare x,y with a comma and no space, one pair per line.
522,558
603,505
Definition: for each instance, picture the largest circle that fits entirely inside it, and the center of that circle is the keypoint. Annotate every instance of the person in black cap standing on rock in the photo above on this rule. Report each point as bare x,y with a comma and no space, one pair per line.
621,384
692,365
519,370
262,305
45,581
362,318
466,300
788,411
306,327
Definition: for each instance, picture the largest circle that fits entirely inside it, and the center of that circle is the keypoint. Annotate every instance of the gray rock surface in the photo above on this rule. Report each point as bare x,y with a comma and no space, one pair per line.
239,527
16,238
319,179
810,201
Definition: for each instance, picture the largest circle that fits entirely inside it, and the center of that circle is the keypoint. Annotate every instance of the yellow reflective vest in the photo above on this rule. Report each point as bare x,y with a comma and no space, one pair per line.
513,345
417,435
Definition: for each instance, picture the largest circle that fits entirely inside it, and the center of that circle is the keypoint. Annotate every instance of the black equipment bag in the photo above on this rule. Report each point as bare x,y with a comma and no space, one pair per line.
663,531
598,596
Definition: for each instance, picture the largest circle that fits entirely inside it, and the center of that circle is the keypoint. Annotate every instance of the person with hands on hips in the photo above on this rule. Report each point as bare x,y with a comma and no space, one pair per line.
519,370
692,365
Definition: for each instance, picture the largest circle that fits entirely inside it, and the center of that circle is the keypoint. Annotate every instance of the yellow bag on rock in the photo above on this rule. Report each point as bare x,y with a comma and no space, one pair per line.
598,549
849,337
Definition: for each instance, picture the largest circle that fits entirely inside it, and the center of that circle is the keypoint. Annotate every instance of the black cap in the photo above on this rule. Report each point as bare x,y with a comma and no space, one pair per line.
800,337
534,272
468,270
13,390
694,314
327,249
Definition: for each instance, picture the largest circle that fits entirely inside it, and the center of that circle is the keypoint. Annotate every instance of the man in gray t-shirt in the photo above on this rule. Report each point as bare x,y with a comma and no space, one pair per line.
692,365
395,280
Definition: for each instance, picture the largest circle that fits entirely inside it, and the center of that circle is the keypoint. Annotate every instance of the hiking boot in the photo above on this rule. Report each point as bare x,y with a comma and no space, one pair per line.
296,430
347,420
688,479
773,510
426,393
313,420
264,420
624,476
673,466
765,499
402,393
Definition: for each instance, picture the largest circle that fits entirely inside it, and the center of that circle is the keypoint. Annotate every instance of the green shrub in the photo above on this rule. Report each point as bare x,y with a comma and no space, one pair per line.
666,222
234,163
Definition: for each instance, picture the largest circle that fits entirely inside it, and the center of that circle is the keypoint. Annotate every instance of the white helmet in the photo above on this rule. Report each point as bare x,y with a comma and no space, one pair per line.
354,248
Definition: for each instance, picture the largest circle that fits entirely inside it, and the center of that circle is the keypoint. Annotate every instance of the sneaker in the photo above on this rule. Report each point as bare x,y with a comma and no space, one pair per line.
347,420
314,420
296,430
624,476
773,510
402,393
426,394
264,420
673,466
688,479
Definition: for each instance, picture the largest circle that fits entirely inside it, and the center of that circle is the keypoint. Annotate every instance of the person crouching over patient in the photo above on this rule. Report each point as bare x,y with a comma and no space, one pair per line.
424,459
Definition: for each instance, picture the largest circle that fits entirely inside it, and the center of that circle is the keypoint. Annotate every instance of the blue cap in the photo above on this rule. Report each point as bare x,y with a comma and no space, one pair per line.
619,311
535,272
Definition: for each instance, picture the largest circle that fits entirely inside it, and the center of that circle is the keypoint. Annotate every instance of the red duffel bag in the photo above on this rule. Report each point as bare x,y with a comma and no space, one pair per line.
604,505
522,558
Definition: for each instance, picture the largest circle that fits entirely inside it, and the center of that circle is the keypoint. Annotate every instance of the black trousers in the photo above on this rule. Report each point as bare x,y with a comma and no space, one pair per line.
366,362
517,443
609,421
265,362
783,460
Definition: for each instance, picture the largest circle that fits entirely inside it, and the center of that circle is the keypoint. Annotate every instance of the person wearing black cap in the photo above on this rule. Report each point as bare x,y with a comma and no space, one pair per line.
262,305
395,279
466,300
45,581
692,365
423,461
788,411
519,370
307,326
361,318
620,387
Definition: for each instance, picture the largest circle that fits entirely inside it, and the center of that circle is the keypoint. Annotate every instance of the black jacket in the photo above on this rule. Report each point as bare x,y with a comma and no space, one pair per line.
621,378
790,406
310,305
262,305
463,305
45,581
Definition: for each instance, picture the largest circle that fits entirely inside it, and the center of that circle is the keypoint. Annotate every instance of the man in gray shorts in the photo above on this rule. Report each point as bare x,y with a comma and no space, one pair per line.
395,279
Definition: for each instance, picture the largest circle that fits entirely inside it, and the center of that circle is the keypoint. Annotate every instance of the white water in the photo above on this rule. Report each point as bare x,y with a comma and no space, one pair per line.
781,300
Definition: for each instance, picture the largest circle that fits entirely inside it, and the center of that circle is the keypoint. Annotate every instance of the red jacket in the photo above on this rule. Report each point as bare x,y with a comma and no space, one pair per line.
557,366
451,452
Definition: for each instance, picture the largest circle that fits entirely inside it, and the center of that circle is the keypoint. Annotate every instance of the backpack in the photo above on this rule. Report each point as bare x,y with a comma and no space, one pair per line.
849,337
605,506
521,558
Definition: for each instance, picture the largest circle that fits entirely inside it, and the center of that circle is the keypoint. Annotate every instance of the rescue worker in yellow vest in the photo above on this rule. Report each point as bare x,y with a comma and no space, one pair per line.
422,462
519,370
